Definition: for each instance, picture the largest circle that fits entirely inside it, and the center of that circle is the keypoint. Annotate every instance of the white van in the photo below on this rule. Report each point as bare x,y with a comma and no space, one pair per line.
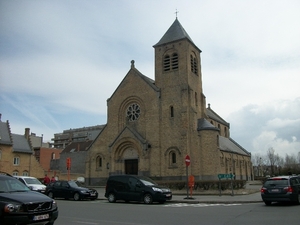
33,183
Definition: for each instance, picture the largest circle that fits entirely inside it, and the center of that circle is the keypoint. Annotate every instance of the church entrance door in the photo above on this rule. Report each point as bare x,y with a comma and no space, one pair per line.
131,166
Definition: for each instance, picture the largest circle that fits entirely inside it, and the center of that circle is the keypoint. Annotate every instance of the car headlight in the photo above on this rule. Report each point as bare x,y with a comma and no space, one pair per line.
10,208
156,189
84,192
54,205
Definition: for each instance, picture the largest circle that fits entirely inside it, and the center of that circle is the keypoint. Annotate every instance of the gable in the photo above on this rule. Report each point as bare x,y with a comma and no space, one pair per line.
138,78
5,134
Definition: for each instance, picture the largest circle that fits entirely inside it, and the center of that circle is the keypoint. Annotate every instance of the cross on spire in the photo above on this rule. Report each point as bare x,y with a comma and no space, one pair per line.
176,12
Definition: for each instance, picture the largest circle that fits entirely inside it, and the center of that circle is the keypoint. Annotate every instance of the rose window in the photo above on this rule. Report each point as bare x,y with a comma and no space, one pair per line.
133,112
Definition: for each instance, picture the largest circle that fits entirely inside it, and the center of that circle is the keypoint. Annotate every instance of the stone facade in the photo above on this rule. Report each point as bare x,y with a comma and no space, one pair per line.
153,124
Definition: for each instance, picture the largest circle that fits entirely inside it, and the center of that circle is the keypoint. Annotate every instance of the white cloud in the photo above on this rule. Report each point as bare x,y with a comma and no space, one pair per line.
60,61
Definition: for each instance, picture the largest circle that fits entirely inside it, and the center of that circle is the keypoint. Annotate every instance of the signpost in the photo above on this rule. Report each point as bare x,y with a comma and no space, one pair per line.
187,164
225,176
68,162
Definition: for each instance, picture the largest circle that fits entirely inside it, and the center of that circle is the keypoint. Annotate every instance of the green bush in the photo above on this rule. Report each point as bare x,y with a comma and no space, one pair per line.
205,185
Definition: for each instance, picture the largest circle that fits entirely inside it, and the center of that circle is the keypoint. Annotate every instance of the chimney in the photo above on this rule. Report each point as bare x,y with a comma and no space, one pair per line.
27,131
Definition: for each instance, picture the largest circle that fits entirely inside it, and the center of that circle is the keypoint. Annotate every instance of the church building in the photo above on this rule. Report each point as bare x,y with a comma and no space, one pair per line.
152,125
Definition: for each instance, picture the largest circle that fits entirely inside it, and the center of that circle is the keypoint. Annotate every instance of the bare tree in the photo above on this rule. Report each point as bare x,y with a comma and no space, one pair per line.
273,159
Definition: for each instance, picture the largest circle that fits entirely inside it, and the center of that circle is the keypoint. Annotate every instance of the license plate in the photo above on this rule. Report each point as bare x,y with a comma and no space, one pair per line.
168,195
275,190
41,217
93,194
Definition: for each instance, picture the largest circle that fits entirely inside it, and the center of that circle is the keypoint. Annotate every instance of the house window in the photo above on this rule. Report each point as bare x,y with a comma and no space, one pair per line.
174,61
53,155
16,161
15,173
25,173
167,63
171,111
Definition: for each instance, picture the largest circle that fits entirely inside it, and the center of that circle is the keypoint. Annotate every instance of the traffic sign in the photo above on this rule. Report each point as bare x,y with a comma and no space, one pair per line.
225,176
187,160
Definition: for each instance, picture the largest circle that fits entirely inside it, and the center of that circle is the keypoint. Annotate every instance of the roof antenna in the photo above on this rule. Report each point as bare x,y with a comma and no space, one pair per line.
176,12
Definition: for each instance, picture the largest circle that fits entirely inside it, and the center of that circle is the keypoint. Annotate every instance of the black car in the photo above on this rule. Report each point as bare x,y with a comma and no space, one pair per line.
70,189
281,189
20,205
135,188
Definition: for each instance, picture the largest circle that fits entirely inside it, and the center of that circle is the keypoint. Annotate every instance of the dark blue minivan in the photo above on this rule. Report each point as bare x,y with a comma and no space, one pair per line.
135,188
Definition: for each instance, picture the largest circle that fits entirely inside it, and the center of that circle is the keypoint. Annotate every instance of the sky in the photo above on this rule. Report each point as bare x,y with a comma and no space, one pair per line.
60,61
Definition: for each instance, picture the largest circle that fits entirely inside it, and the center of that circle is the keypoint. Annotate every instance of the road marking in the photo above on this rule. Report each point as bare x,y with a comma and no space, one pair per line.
198,205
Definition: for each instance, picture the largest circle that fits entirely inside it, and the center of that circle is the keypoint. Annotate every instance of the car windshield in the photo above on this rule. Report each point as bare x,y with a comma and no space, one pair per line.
32,181
12,185
73,184
274,182
147,181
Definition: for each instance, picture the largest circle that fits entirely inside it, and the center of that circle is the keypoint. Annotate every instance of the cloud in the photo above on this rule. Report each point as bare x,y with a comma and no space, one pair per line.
60,61
274,124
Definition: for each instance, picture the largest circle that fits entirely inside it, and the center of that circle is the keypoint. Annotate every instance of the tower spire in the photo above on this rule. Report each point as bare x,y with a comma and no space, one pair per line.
176,12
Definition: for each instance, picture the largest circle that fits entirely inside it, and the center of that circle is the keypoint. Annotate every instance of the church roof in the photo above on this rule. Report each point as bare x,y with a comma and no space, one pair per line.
213,115
203,124
174,33
77,146
229,145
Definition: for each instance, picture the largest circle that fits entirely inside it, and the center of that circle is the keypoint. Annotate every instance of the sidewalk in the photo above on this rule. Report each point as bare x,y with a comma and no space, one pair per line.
250,195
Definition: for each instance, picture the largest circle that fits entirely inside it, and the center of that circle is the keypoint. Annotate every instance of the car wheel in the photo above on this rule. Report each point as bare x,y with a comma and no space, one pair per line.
111,197
50,195
148,199
268,202
76,196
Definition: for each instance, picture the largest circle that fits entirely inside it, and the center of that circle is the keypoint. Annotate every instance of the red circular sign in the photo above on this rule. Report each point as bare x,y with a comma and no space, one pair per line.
187,160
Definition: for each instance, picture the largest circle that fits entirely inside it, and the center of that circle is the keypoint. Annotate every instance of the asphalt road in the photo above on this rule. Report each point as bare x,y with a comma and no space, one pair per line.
101,212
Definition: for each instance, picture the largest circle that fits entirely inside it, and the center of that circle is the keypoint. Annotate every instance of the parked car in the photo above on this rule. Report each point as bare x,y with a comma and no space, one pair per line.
135,188
281,189
70,189
33,183
20,205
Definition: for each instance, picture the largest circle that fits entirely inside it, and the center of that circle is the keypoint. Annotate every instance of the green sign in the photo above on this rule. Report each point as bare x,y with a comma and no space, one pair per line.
225,176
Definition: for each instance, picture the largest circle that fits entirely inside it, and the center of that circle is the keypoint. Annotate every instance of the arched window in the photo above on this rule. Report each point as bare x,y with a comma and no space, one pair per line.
194,65
99,162
171,111
25,173
172,158
167,63
175,61
53,155
225,132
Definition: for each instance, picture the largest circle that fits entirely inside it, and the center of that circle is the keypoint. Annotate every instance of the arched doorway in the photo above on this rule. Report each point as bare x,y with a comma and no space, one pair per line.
131,164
